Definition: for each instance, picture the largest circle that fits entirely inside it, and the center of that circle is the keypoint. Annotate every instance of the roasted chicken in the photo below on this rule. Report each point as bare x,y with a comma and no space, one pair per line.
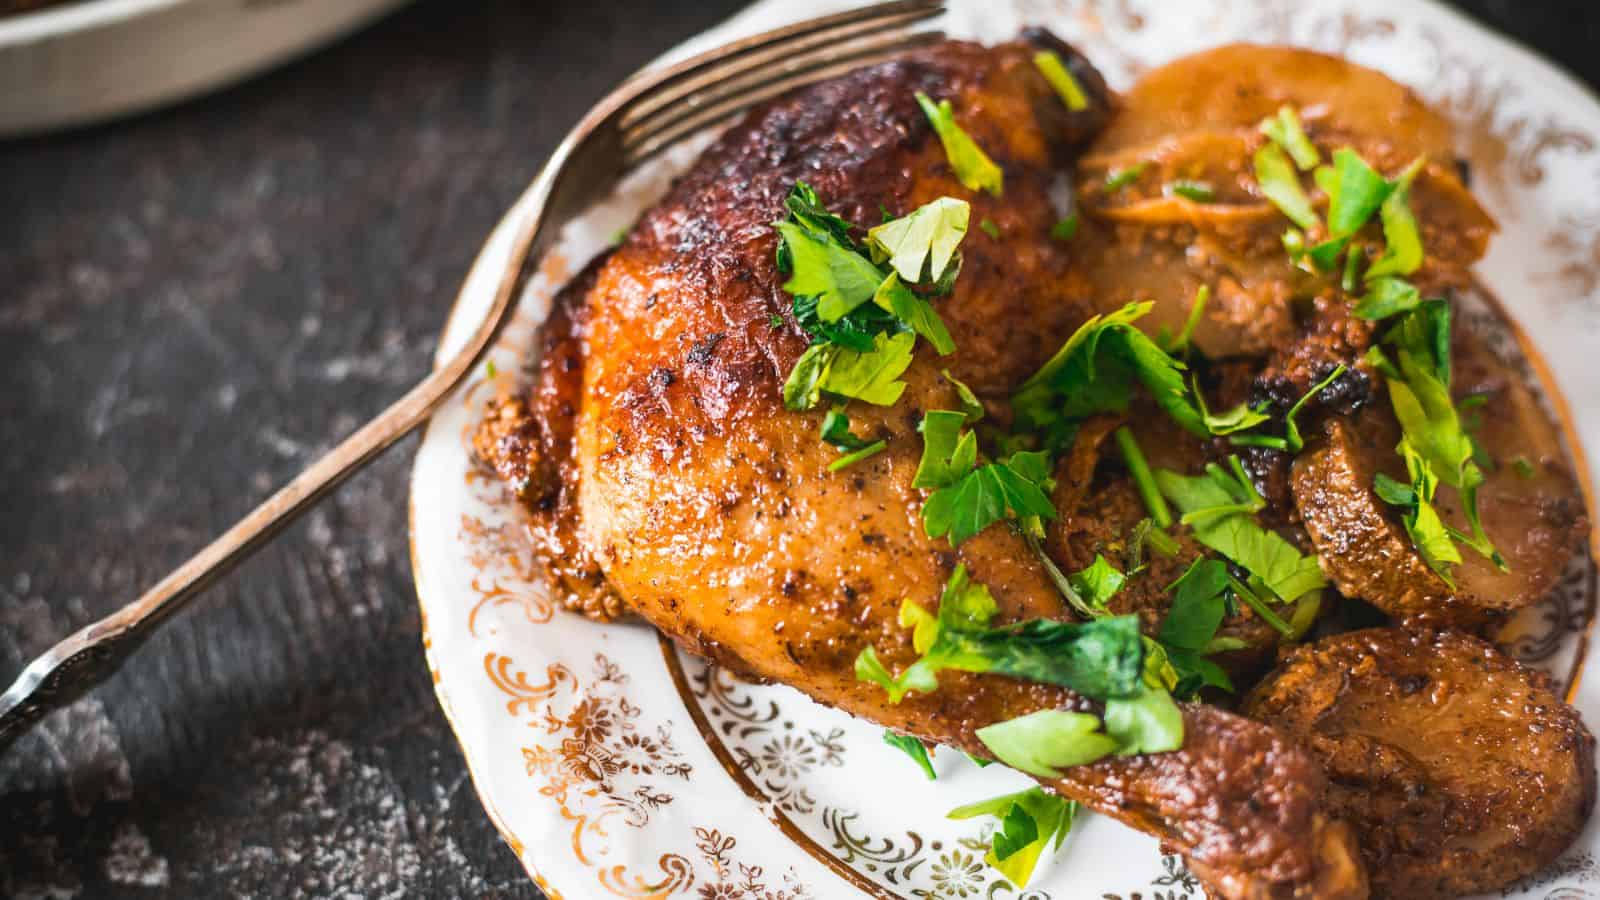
664,476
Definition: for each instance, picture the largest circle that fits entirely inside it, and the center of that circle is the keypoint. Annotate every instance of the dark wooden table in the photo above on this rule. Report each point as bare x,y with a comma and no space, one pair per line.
191,306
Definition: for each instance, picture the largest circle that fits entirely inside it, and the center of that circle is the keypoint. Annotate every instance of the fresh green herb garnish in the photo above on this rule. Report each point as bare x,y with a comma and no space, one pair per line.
1387,297
1189,632
850,459
973,168
1355,191
987,226
1286,131
921,245
1428,532
1045,742
1121,178
1066,229
840,278
1143,481
1419,391
1061,78
914,748
1281,184
1029,821
1094,371
1402,254
1197,310
971,406
871,377
836,430
489,370
1523,468
1100,659
915,312
984,495
1219,506
1197,191
1098,583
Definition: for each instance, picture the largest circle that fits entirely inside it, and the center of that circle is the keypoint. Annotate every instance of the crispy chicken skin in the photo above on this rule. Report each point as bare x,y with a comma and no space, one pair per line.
664,477
1459,768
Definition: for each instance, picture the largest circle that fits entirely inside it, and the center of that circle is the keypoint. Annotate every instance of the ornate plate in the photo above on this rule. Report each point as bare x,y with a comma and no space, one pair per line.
615,766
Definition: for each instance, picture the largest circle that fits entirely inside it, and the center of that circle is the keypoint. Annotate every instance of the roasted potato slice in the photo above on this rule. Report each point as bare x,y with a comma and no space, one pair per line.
1530,503
1460,769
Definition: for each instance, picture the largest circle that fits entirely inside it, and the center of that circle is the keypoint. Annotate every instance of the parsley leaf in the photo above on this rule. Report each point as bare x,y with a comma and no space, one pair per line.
1387,296
870,377
1355,191
973,168
1095,369
1218,506
1061,78
920,246
1402,254
915,311
914,748
1198,606
1045,742
1098,583
947,453
1121,178
1286,131
840,278
1281,184
1101,659
850,459
1029,821
971,406
836,431
1148,722
1066,229
1196,191
988,494
1427,530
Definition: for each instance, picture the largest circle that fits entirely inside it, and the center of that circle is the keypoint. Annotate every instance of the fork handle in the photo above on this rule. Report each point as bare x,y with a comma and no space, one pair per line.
66,671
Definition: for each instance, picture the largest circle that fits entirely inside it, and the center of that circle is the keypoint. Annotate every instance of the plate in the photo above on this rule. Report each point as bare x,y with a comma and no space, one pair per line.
617,767
85,61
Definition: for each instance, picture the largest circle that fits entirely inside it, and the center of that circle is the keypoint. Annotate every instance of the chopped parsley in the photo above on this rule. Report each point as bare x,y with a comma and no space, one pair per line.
987,226
1421,518
1355,191
971,406
1101,659
1419,391
920,246
1387,296
914,748
1066,229
871,376
1219,506
968,497
1189,632
850,459
973,168
1402,253
1143,481
1286,131
1197,310
1196,191
1029,821
1121,178
862,319
1281,184
1062,79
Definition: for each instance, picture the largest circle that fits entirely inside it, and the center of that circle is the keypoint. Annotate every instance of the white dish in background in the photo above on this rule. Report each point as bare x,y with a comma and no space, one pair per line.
617,767
83,62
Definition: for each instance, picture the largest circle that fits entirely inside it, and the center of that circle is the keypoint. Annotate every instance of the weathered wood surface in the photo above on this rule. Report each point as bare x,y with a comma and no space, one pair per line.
192,305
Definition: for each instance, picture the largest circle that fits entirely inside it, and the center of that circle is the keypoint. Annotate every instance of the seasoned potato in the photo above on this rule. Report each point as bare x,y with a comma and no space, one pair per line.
1460,769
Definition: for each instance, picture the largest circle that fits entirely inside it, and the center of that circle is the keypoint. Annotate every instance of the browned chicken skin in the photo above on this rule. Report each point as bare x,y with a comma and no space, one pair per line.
664,476
1460,769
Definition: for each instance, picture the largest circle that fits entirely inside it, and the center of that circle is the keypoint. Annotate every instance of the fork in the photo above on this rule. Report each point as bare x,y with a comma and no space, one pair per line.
646,114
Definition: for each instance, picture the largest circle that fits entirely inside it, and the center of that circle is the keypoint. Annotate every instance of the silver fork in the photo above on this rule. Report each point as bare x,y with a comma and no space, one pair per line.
646,114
